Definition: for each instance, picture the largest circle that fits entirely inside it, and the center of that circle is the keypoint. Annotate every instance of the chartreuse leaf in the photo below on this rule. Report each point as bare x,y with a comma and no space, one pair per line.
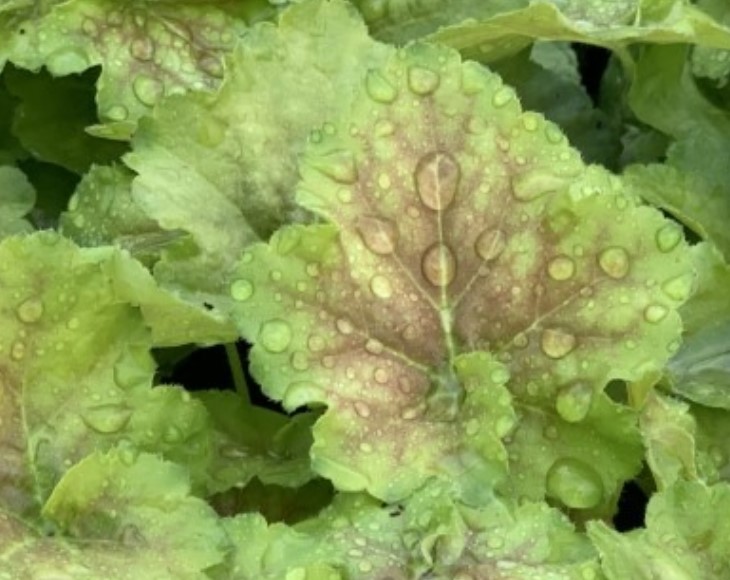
713,443
227,174
17,198
472,246
146,50
687,537
429,535
713,63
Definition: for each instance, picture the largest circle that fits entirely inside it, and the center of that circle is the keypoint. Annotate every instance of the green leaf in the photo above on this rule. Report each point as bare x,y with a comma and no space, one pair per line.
713,443
476,229
17,198
686,537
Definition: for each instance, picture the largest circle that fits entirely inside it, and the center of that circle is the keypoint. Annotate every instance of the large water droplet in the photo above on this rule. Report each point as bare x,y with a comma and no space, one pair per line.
109,418
338,165
614,261
557,343
667,237
574,401
381,286
148,90
439,265
574,483
490,244
241,290
655,313
502,96
379,88
275,335
437,178
379,235
422,81
30,311
679,288
561,268
142,48
534,184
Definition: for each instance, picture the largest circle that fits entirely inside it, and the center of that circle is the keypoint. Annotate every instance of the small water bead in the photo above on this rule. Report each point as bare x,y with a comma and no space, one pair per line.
679,288
574,483
337,165
361,409
472,427
561,268
490,244
574,401
379,88
148,90
381,375
344,326
379,235
655,313
30,311
557,343
530,121
366,448
502,97
422,81
381,287
241,290
668,237
316,343
614,261
439,265
374,346
17,350
531,185
275,335
384,128
107,418
437,179
299,361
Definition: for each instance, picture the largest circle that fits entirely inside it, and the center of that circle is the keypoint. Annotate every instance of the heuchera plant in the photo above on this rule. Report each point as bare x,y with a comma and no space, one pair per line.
372,289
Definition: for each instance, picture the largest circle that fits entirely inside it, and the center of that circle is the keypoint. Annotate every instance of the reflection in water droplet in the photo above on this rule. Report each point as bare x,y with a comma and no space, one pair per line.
338,165
30,311
679,288
109,418
380,236
614,261
437,178
490,244
379,88
574,401
574,483
561,268
275,335
422,81
241,290
381,287
557,343
668,237
439,265
655,313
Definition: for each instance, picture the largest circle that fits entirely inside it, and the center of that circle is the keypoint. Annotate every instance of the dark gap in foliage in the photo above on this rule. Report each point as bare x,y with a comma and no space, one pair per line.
616,390
631,507
592,64
54,186
690,235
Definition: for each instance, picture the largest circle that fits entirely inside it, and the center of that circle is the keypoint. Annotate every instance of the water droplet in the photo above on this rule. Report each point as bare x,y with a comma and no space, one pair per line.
374,346
337,165
241,290
679,288
142,48
384,128
299,361
380,236
384,181
499,376
574,483
614,261
17,351
490,244
667,237
316,343
381,287
117,113
148,90
361,409
67,60
212,65
655,313
574,401
344,326
30,311
530,121
502,96
73,323
344,195
411,413
275,335
379,88
108,418
381,375
366,447
551,432
557,343
472,427
532,185
437,178
422,81
439,265
561,268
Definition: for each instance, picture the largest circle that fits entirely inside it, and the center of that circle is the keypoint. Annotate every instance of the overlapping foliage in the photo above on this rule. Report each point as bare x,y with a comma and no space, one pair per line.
482,279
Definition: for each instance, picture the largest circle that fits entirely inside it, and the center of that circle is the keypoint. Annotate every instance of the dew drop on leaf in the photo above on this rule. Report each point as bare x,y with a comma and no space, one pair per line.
142,48
561,268
678,288
574,483
422,81
574,401
668,237
439,265
655,313
241,290
381,287
379,88
502,96
437,179
362,409
299,360
490,244
532,185
557,343
17,351
275,335
380,236
338,165
30,311
614,261
108,418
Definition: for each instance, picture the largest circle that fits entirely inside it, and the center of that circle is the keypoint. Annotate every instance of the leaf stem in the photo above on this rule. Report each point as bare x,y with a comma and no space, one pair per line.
234,363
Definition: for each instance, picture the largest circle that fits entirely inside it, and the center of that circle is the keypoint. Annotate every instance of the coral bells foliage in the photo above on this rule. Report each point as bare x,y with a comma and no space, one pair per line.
364,290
